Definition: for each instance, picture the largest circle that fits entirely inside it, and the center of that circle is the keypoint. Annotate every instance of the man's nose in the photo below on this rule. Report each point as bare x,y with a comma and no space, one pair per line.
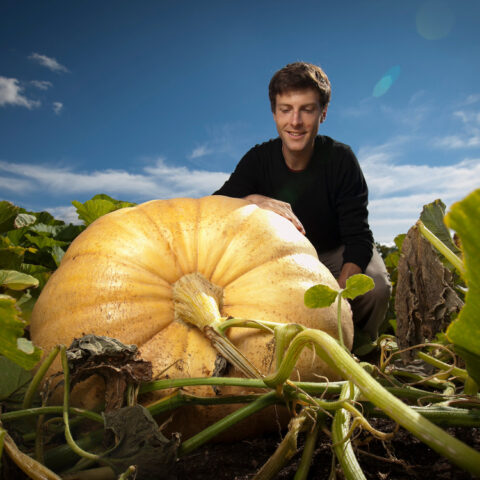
296,118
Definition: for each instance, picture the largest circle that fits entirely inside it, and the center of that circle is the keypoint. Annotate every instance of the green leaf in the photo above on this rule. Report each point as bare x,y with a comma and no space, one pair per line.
24,220
16,280
357,285
464,331
69,232
44,242
399,240
8,211
13,379
472,362
432,217
12,328
98,206
319,296
46,230
57,254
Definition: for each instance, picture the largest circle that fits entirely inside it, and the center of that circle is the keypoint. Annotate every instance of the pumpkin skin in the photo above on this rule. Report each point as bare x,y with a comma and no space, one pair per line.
117,279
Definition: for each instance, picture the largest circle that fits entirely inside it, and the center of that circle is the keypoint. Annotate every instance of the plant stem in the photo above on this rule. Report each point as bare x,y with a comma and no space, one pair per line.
205,435
442,248
455,371
334,355
37,378
27,464
32,412
180,398
285,451
343,445
444,416
66,400
339,319
308,450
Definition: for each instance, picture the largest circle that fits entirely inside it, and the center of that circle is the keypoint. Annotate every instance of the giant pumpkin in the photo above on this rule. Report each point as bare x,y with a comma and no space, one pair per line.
119,277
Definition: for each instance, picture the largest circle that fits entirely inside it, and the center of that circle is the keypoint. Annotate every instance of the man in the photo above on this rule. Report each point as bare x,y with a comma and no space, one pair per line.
317,184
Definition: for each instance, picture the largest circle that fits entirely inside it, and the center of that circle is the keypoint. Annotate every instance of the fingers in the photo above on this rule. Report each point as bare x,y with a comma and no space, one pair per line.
282,208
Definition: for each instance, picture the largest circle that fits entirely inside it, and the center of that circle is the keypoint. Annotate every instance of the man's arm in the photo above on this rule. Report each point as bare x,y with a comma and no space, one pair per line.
348,269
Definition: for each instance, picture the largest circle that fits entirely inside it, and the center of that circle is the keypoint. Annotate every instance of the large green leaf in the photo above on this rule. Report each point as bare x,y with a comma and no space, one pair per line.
16,280
98,206
464,332
44,242
8,212
432,217
24,220
12,327
13,379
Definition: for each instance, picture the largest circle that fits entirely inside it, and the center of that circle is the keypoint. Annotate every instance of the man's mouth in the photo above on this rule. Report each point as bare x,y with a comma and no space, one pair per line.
296,134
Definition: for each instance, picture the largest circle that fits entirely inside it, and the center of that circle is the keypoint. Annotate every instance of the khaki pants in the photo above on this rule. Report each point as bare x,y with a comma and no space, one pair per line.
369,310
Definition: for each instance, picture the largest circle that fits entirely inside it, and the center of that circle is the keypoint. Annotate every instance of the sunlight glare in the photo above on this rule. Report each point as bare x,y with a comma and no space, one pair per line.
384,84
434,20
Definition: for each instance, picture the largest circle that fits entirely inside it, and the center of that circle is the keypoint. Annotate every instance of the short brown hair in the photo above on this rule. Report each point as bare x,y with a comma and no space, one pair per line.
300,76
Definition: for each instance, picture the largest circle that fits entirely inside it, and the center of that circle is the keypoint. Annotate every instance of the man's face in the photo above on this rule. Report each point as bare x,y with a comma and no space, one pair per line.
297,116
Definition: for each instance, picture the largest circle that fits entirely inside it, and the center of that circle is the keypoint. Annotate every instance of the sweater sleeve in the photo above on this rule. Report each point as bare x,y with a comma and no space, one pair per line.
351,205
244,179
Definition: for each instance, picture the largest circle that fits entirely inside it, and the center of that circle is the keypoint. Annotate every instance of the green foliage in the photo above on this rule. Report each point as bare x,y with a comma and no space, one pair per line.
357,285
464,332
14,383
98,206
319,296
12,344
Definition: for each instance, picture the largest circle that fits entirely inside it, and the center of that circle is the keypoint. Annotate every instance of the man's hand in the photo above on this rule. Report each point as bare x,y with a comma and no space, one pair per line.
282,208
347,271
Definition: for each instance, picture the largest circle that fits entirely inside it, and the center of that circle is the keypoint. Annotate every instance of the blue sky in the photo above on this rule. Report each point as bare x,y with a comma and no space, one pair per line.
160,99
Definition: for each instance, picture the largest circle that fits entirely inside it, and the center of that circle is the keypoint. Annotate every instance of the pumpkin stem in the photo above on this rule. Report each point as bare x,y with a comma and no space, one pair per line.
197,301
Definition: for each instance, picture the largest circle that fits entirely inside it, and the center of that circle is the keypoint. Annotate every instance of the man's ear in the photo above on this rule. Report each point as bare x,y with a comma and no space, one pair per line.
323,116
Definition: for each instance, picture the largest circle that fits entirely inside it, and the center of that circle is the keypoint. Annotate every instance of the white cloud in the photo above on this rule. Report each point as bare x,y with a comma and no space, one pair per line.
398,192
67,214
156,181
11,94
48,62
41,84
470,136
200,151
57,107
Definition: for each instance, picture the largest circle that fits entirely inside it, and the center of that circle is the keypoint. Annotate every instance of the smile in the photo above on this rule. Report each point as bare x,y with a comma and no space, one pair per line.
296,134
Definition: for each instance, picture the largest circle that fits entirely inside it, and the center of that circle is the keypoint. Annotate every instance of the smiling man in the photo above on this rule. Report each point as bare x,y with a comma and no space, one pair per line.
317,184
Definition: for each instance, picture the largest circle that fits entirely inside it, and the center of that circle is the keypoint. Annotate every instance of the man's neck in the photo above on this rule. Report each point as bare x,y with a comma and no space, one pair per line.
297,161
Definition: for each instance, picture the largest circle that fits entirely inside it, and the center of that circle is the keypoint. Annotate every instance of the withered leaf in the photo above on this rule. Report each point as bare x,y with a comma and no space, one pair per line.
425,299
138,441
116,363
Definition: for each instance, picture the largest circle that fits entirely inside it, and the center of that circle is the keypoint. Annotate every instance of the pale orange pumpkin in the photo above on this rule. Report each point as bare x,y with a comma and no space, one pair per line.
118,279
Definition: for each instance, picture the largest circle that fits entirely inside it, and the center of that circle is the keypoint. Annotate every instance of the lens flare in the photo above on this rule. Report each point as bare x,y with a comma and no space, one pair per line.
384,84
434,20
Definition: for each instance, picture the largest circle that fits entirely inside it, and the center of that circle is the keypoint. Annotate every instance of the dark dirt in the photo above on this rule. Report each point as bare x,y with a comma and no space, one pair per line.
403,458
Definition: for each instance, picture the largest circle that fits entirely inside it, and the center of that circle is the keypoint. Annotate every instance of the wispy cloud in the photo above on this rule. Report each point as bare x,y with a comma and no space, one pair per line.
200,151
57,107
158,180
469,136
48,62
398,191
41,84
11,93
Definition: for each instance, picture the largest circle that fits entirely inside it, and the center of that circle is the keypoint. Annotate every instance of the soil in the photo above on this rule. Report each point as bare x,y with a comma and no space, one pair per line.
404,457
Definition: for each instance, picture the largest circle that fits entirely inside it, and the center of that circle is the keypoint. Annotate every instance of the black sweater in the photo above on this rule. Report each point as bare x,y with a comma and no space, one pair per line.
329,197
